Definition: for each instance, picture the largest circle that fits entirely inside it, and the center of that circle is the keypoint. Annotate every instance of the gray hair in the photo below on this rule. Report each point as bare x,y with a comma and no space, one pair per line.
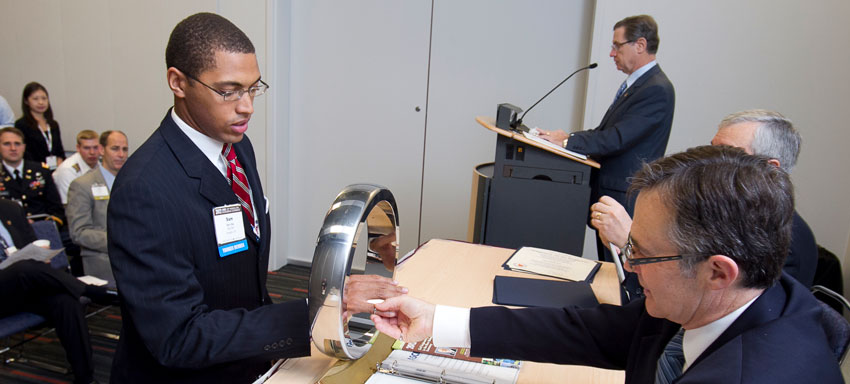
725,202
775,136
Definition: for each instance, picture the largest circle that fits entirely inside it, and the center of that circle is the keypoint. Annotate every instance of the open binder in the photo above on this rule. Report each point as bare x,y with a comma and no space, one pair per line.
437,369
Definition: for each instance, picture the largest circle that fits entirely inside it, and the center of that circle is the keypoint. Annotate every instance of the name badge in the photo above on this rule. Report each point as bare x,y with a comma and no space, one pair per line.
229,229
100,192
51,161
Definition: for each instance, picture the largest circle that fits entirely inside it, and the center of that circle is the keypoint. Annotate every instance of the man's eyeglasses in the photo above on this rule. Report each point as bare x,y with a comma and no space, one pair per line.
234,95
629,256
616,46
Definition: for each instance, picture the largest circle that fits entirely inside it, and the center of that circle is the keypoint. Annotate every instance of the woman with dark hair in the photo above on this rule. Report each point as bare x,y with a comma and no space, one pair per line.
41,133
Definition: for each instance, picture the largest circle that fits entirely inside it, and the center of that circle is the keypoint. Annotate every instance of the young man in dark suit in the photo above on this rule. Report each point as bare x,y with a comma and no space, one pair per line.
194,302
27,182
636,127
711,229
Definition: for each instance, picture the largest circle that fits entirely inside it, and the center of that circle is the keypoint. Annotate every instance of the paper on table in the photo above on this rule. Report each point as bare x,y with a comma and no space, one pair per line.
551,263
432,368
552,145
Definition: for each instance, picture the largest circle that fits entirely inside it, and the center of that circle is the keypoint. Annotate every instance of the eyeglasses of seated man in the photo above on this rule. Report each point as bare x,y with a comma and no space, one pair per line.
631,255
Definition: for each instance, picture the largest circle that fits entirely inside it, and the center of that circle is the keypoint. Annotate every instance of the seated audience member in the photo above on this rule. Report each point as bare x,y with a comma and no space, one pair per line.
27,182
32,286
76,165
88,198
711,229
756,131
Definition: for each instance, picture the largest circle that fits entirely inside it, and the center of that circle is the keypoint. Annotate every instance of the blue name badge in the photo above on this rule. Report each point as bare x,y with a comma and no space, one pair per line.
229,249
229,230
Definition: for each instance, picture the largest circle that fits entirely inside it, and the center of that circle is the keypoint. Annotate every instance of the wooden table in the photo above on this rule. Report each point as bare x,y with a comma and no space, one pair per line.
461,274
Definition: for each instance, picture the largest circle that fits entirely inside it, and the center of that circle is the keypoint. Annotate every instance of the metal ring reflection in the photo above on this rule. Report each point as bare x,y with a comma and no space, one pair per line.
357,206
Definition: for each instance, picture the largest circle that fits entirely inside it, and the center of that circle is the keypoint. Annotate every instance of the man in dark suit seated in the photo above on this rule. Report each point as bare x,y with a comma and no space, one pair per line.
33,286
637,125
711,229
756,131
27,182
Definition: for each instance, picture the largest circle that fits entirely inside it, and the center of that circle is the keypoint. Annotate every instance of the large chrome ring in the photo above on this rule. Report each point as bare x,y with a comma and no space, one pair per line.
356,206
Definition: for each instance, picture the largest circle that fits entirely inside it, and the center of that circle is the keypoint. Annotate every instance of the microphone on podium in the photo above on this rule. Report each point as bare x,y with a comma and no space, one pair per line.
517,124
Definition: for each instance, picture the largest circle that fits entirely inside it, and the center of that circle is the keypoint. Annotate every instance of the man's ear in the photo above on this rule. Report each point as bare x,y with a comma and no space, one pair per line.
177,81
774,162
640,44
723,271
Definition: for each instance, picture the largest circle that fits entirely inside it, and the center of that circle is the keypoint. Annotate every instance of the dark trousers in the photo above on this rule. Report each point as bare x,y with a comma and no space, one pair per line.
31,286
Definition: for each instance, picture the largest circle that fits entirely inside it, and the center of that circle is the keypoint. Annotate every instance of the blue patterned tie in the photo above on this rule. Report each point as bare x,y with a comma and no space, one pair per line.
619,93
671,361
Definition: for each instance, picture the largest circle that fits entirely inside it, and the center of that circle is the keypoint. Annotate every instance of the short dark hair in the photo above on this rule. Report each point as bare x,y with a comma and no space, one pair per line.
104,137
641,26
775,136
29,89
12,130
725,202
86,134
195,40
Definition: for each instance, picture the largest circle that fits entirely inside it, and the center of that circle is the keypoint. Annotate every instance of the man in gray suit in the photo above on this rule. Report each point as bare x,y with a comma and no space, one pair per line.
88,197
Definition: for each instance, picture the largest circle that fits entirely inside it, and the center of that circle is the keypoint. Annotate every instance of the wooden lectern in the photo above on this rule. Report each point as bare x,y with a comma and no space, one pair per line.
532,195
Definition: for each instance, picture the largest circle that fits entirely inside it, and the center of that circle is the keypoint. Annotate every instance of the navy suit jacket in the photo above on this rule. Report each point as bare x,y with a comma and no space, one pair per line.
778,339
189,315
635,129
15,220
802,260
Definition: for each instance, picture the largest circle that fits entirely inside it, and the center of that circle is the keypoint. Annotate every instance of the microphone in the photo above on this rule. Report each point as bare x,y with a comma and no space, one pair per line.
518,123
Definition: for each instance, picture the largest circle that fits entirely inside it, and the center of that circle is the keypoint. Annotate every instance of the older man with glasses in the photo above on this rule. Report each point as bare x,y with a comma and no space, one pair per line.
711,229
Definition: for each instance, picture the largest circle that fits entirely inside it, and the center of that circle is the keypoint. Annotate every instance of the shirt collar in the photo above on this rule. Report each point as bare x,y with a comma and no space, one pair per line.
211,148
107,176
697,340
639,72
11,170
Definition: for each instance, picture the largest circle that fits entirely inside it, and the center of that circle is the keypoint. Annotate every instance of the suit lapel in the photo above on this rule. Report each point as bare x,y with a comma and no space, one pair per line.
213,186
630,91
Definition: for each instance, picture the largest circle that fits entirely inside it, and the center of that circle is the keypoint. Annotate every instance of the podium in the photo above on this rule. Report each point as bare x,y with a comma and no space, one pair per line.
532,195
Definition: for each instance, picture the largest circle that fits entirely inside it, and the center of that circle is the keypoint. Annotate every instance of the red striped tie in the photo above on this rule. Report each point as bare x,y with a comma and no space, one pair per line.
237,180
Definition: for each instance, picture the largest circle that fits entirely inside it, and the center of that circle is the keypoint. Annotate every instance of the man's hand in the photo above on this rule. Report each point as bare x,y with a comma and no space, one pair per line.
385,247
412,319
359,288
611,220
556,137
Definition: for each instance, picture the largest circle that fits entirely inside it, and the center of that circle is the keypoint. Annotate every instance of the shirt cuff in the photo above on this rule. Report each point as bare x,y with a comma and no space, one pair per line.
451,327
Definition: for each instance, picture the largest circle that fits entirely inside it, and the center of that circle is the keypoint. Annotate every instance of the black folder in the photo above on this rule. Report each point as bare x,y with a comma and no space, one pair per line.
542,293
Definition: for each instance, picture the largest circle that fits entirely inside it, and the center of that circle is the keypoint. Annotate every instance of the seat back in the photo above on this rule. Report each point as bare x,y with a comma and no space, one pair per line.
834,324
46,229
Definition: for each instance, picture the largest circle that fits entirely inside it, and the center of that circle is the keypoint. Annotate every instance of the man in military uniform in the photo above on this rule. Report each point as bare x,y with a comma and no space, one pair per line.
27,182
76,165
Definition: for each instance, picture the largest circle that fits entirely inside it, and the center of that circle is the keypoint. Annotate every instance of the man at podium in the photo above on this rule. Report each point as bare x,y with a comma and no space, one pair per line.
636,127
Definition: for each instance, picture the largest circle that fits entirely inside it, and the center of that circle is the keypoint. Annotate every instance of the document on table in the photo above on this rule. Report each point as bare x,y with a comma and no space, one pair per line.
552,263
552,145
419,366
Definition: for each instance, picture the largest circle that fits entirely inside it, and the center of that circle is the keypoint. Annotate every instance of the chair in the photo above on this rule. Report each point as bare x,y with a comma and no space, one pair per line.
835,326
20,322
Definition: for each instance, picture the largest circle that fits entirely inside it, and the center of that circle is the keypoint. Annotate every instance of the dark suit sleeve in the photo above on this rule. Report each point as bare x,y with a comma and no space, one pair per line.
597,336
648,109
20,228
151,247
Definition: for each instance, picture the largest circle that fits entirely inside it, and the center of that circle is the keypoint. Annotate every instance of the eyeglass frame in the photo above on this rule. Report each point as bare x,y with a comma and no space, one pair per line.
628,253
241,92
616,46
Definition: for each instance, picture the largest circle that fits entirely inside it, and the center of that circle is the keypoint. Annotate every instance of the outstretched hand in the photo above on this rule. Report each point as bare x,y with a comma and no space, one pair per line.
411,319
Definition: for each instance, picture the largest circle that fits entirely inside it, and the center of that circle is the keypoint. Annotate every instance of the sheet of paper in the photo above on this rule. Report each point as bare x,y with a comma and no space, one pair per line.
551,263
552,145
31,251
383,378
91,280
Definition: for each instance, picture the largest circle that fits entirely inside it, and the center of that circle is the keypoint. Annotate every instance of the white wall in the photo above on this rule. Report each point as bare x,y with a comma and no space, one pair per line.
727,55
